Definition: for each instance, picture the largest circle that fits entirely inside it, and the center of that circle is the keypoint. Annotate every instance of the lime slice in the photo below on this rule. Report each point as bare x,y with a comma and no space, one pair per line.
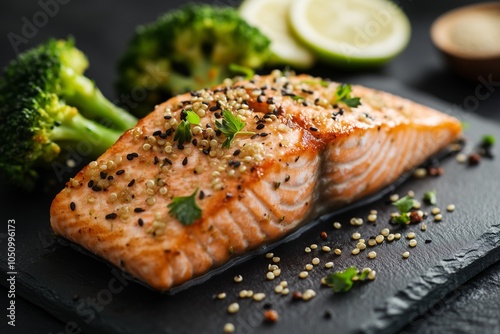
351,33
271,18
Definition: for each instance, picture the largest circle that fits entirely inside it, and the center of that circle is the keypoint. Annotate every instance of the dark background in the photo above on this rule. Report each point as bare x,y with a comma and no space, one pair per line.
102,30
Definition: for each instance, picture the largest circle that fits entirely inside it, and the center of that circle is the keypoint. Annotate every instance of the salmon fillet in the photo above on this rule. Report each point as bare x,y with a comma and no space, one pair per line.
307,154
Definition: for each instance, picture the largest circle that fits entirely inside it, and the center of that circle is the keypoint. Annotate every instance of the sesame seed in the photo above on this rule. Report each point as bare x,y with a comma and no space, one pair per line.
303,274
308,294
337,225
315,261
438,217
337,251
410,235
259,296
356,236
185,161
326,249
412,243
270,275
355,221
269,255
140,222
238,278
329,265
372,255
72,206
139,210
406,255
229,328
111,216
361,246
450,207
435,211
233,308
131,183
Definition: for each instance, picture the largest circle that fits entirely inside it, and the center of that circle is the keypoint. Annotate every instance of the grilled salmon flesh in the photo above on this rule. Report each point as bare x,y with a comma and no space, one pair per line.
177,196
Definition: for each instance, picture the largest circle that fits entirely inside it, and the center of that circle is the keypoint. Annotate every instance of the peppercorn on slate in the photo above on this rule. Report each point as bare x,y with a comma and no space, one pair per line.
180,194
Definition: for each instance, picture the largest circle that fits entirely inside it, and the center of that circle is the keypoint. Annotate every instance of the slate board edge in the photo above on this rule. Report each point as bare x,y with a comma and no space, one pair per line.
429,289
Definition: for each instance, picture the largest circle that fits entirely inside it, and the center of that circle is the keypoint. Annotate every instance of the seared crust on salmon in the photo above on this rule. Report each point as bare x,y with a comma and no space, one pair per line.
307,154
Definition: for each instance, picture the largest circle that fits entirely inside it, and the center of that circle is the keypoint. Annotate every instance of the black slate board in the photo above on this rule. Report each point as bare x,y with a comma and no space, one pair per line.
65,281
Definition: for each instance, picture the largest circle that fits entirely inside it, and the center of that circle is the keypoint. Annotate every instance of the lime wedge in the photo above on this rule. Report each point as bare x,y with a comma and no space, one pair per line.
351,33
271,18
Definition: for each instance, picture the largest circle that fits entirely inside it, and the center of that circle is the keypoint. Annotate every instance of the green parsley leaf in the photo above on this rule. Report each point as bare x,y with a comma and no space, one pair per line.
297,97
488,141
322,83
343,95
193,118
185,209
430,197
246,71
183,132
341,281
230,127
403,218
404,204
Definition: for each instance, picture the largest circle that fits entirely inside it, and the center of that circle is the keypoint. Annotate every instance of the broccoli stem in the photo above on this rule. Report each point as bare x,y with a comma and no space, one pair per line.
76,129
82,93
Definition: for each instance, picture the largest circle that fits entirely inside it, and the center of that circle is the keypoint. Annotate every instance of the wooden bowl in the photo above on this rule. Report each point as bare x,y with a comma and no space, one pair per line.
469,39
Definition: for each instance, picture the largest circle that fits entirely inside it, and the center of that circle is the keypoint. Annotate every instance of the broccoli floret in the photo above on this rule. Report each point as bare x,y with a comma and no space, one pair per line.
188,49
44,102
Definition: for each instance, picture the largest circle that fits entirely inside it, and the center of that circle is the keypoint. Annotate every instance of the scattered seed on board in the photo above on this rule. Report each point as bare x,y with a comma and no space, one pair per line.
412,243
390,237
284,284
361,246
394,197
243,294
379,239
411,193
270,275
329,265
372,218
308,294
229,328
397,236
337,225
313,246
221,295
435,211
372,255
303,274
372,274
278,289
355,221
410,235
461,157
276,259
315,261
276,272
326,249
271,316
238,278
438,217
420,173
285,291
450,208
259,296
337,251
307,250
269,255
385,232
423,227
355,251
372,242
406,255
356,236
233,308
309,267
